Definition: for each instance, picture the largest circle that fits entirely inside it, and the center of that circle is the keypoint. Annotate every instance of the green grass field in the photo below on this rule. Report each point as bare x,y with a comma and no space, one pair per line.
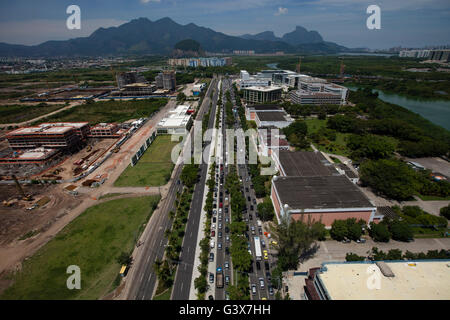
108,111
153,169
19,113
92,241
339,146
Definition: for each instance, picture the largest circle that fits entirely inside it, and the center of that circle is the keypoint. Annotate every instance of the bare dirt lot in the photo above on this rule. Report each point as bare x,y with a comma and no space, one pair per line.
17,222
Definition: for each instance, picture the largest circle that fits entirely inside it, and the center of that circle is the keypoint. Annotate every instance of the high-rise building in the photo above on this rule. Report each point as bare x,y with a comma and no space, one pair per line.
166,80
126,78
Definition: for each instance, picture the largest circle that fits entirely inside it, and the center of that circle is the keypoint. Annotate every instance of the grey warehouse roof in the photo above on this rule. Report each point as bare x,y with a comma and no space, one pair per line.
324,192
305,163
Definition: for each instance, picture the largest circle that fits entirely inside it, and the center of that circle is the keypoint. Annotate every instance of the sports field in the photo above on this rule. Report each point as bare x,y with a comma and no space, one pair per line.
93,242
153,169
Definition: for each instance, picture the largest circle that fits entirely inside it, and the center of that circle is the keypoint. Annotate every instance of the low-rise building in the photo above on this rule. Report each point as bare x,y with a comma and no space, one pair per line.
273,119
381,280
250,111
43,136
177,122
37,155
271,141
303,164
320,198
105,130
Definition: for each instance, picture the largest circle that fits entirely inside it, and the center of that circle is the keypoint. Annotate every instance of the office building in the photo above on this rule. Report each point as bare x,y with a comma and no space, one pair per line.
317,98
246,81
254,95
380,280
201,62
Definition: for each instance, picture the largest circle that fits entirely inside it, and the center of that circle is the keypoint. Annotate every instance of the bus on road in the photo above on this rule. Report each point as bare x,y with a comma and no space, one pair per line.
258,249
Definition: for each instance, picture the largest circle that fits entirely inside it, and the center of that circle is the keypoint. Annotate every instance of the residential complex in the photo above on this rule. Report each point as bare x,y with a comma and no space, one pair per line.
201,62
433,55
166,80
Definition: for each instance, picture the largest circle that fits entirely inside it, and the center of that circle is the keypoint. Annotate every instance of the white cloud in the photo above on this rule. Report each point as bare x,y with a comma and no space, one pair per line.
147,1
281,11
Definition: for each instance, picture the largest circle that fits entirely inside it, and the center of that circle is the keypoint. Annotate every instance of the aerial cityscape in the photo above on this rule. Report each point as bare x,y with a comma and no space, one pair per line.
179,151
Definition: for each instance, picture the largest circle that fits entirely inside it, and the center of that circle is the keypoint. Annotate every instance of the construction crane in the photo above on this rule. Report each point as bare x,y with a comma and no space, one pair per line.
299,64
20,189
342,69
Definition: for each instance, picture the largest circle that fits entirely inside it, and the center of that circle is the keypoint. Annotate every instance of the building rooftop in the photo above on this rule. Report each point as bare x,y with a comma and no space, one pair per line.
263,89
41,130
305,163
265,107
412,280
64,124
323,192
271,116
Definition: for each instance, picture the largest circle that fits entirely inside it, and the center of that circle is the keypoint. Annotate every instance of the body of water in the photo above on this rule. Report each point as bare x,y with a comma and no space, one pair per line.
437,111
272,65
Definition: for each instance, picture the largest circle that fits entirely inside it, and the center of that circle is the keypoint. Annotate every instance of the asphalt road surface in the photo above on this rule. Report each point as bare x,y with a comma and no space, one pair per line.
144,280
183,275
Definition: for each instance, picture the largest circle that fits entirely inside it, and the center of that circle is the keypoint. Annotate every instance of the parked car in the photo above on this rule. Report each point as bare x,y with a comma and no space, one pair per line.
258,265
362,240
219,246
227,265
254,201
214,219
227,280
211,257
213,233
271,290
227,251
220,234
211,277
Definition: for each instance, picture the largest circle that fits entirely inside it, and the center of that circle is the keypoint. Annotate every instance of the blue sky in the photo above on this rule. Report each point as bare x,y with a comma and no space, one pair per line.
409,23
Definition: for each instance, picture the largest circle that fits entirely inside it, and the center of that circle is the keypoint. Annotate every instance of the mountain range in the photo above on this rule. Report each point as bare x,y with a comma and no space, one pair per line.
143,36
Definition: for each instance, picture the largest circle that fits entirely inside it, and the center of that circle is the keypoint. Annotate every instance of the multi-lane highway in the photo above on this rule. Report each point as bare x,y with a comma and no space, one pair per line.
221,220
143,278
185,268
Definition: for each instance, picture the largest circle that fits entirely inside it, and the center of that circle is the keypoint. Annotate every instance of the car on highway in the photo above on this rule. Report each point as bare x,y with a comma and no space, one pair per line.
258,265
254,201
246,189
227,295
252,207
248,198
271,290
253,288
253,230
268,276
227,265
227,229
219,246
260,231
266,265
251,217
227,250
211,257
226,218
211,277
261,283
263,243
227,238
